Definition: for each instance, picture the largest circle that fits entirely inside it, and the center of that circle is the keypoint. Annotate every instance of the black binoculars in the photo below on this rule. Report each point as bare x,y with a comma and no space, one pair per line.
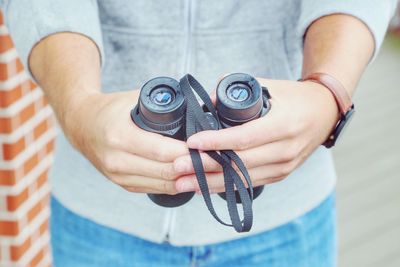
162,108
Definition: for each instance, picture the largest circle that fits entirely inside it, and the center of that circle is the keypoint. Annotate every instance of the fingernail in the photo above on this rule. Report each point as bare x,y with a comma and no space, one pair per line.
194,143
185,186
181,166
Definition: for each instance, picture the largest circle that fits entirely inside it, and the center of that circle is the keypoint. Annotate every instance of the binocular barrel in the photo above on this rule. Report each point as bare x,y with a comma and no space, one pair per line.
161,109
240,99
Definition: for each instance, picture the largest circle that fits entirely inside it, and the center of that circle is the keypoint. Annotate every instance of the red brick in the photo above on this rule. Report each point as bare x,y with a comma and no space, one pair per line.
27,113
31,163
38,257
14,202
9,97
5,125
9,69
10,151
1,18
44,227
50,146
5,43
40,129
9,228
42,179
32,85
17,251
35,210
20,66
8,177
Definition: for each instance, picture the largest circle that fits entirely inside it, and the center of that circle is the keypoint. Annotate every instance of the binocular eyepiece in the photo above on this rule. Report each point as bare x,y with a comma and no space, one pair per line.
162,107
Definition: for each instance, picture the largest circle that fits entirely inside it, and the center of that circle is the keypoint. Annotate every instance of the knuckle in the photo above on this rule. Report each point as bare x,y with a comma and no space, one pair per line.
111,139
293,129
291,152
167,173
243,142
213,145
114,179
168,188
288,168
161,154
210,165
110,164
284,170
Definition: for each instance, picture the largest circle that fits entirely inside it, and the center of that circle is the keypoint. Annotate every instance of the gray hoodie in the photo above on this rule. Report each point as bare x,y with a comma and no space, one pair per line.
143,39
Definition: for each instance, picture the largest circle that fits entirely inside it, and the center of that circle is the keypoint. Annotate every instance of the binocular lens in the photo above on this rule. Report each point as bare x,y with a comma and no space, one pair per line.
238,92
162,95
239,99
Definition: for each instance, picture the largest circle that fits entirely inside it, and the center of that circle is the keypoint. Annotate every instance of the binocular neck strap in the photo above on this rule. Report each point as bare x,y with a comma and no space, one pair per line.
196,121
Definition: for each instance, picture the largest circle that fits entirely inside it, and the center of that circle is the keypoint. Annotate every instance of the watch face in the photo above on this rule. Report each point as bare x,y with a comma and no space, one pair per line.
338,132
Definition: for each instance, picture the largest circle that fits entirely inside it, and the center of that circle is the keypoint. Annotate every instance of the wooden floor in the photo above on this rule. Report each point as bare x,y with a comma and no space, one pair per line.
368,166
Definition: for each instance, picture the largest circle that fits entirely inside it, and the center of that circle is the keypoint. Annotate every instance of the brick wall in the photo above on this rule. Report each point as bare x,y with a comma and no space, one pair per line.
26,143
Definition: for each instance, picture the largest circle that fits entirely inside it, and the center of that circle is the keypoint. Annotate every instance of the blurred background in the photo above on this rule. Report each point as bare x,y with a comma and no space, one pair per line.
367,160
368,166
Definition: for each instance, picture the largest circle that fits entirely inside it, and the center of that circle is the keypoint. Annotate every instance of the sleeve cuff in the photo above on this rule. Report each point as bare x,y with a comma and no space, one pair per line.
30,21
375,14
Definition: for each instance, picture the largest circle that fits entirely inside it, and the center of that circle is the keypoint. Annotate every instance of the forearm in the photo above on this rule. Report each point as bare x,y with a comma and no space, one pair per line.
339,45
67,67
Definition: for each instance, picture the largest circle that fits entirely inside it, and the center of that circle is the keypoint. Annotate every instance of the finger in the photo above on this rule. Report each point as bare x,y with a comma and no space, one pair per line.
276,152
251,134
141,190
123,163
152,145
189,183
213,96
152,184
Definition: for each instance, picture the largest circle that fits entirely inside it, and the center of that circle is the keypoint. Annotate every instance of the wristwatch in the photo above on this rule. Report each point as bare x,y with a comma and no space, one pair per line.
343,100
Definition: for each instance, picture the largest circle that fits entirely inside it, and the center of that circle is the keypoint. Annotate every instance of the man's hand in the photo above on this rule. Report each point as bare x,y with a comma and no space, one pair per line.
301,118
137,160
67,67
302,115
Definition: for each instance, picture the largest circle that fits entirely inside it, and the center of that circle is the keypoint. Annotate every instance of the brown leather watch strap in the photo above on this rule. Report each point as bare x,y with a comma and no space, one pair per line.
342,98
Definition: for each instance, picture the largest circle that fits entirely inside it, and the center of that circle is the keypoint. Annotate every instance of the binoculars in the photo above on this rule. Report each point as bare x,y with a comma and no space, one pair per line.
162,107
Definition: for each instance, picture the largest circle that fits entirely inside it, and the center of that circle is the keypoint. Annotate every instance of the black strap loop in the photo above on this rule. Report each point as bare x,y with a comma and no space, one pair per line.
196,121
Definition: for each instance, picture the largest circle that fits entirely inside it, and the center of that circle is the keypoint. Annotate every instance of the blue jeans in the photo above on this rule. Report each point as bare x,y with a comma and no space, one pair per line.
308,241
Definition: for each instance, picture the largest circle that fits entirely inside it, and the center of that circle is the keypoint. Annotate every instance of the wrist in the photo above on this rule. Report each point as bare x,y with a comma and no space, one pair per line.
78,114
342,99
326,108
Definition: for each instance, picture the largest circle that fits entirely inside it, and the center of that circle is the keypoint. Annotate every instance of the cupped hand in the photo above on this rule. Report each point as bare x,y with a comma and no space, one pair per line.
137,160
301,118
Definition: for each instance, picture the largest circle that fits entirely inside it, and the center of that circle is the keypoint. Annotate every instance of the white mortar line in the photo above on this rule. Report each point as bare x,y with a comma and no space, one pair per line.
13,81
32,251
9,56
27,231
22,103
5,253
27,127
44,164
45,261
3,30
26,206
23,157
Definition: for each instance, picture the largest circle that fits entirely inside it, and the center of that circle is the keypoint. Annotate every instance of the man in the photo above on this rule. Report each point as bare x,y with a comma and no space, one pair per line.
89,56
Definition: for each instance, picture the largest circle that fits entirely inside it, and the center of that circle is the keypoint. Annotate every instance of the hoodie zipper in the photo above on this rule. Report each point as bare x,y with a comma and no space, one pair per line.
190,11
